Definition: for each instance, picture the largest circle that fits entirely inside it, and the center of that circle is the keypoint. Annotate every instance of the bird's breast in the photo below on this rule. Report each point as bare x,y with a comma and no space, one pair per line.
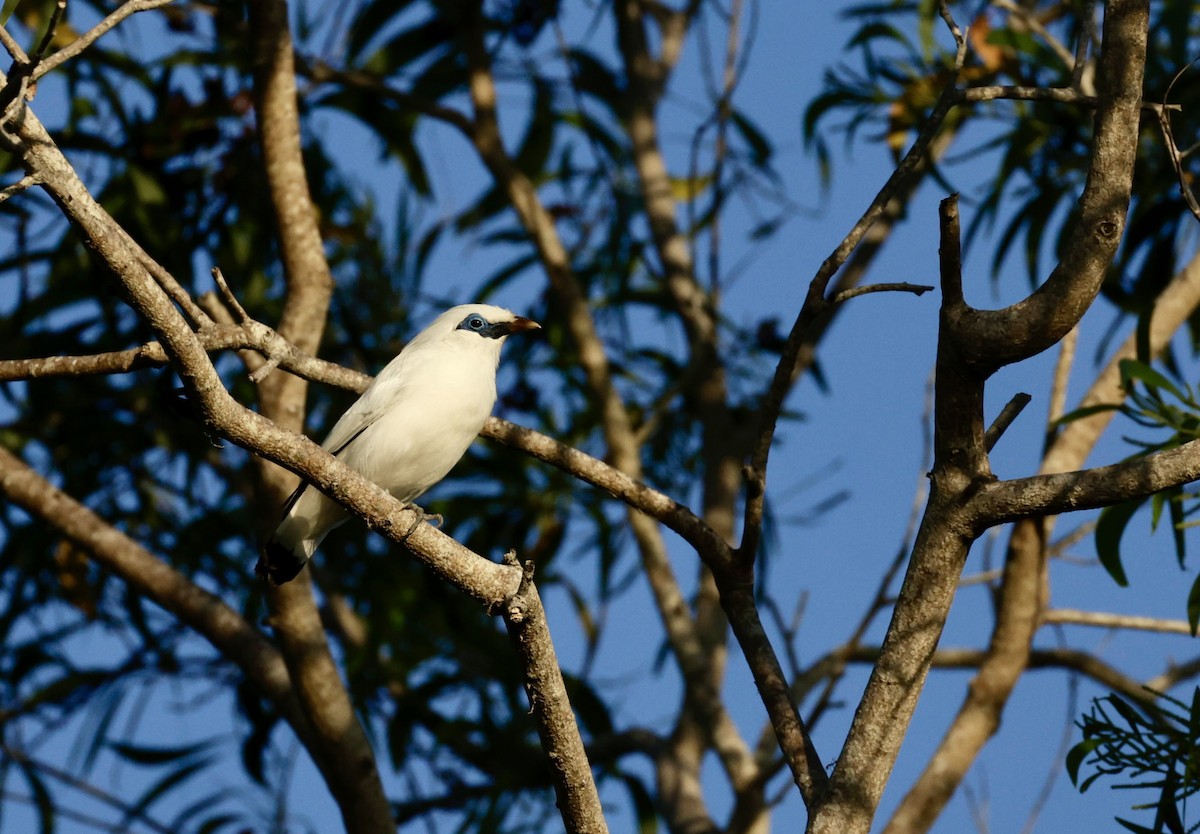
417,442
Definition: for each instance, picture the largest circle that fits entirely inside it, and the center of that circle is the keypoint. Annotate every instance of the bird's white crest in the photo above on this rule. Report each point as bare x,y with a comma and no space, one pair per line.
409,428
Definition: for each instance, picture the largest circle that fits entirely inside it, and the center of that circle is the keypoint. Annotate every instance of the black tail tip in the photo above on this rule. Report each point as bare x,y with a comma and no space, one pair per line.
277,564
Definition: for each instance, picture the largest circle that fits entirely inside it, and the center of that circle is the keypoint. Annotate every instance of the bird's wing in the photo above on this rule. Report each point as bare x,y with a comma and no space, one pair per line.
389,388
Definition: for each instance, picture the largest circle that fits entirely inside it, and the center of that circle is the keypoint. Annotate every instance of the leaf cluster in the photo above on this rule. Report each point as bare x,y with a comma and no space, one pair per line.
1153,748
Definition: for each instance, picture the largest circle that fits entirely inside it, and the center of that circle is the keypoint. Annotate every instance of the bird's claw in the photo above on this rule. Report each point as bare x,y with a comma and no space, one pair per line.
433,518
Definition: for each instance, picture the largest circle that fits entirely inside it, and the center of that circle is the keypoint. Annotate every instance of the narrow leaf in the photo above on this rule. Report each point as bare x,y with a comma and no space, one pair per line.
1109,530
1132,369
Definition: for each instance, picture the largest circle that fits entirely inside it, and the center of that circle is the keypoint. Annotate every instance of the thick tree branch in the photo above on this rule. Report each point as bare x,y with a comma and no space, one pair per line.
969,343
1105,619
530,634
994,338
814,313
294,615
205,613
1024,587
94,34
682,635
478,577
1088,489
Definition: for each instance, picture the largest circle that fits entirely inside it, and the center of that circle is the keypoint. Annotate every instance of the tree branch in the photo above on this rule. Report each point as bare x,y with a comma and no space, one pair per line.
94,34
530,634
1088,489
1024,589
341,740
1105,619
203,612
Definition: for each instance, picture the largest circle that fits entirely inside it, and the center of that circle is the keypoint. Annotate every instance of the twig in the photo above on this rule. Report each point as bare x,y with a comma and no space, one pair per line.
60,8
1164,121
1005,419
235,306
259,373
814,305
1035,25
1105,619
92,35
1062,95
960,42
27,181
12,47
903,286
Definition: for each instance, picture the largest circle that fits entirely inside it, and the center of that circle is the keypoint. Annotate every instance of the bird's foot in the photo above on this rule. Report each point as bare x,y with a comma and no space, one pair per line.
433,518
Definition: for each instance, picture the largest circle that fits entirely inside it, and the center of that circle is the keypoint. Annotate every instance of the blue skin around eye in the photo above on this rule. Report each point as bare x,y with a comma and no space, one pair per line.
478,324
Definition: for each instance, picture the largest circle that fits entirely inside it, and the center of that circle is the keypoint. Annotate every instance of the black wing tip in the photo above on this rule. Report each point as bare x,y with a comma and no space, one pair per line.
278,564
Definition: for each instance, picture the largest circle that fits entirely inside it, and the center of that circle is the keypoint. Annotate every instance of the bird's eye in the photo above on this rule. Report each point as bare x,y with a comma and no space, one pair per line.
475,323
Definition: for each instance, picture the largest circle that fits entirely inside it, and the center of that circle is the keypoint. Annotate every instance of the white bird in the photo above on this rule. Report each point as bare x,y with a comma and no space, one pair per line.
408,429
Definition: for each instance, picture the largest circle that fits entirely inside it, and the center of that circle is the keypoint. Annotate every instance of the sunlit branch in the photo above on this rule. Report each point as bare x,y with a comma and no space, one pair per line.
1104,619
17,187
94,34
12,47
1061,95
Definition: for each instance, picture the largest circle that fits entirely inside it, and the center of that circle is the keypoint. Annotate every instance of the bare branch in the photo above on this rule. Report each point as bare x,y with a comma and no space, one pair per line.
56,15
1105,619
1062,95
200,610
1004,419
17,187
12,47
530,634
855,292
960,43
972,344
1024,590
814,307
94,34
235,307
1088,489
1164,121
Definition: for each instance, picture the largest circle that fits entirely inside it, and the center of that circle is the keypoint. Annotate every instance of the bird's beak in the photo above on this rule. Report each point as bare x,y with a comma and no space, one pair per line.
518,325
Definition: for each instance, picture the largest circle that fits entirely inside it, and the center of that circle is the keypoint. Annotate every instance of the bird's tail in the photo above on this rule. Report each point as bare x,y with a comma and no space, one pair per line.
279,563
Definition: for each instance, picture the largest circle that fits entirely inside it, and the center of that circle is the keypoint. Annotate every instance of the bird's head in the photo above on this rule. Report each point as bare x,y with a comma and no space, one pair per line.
489,322
478,329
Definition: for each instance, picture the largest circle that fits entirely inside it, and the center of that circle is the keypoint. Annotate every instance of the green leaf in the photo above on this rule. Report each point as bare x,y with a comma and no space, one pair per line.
1132,369
1109,529
6,11
372,20
1086,412
1076,757
1175,509
152,756
1137,829
1131,715
755,139
1193,607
